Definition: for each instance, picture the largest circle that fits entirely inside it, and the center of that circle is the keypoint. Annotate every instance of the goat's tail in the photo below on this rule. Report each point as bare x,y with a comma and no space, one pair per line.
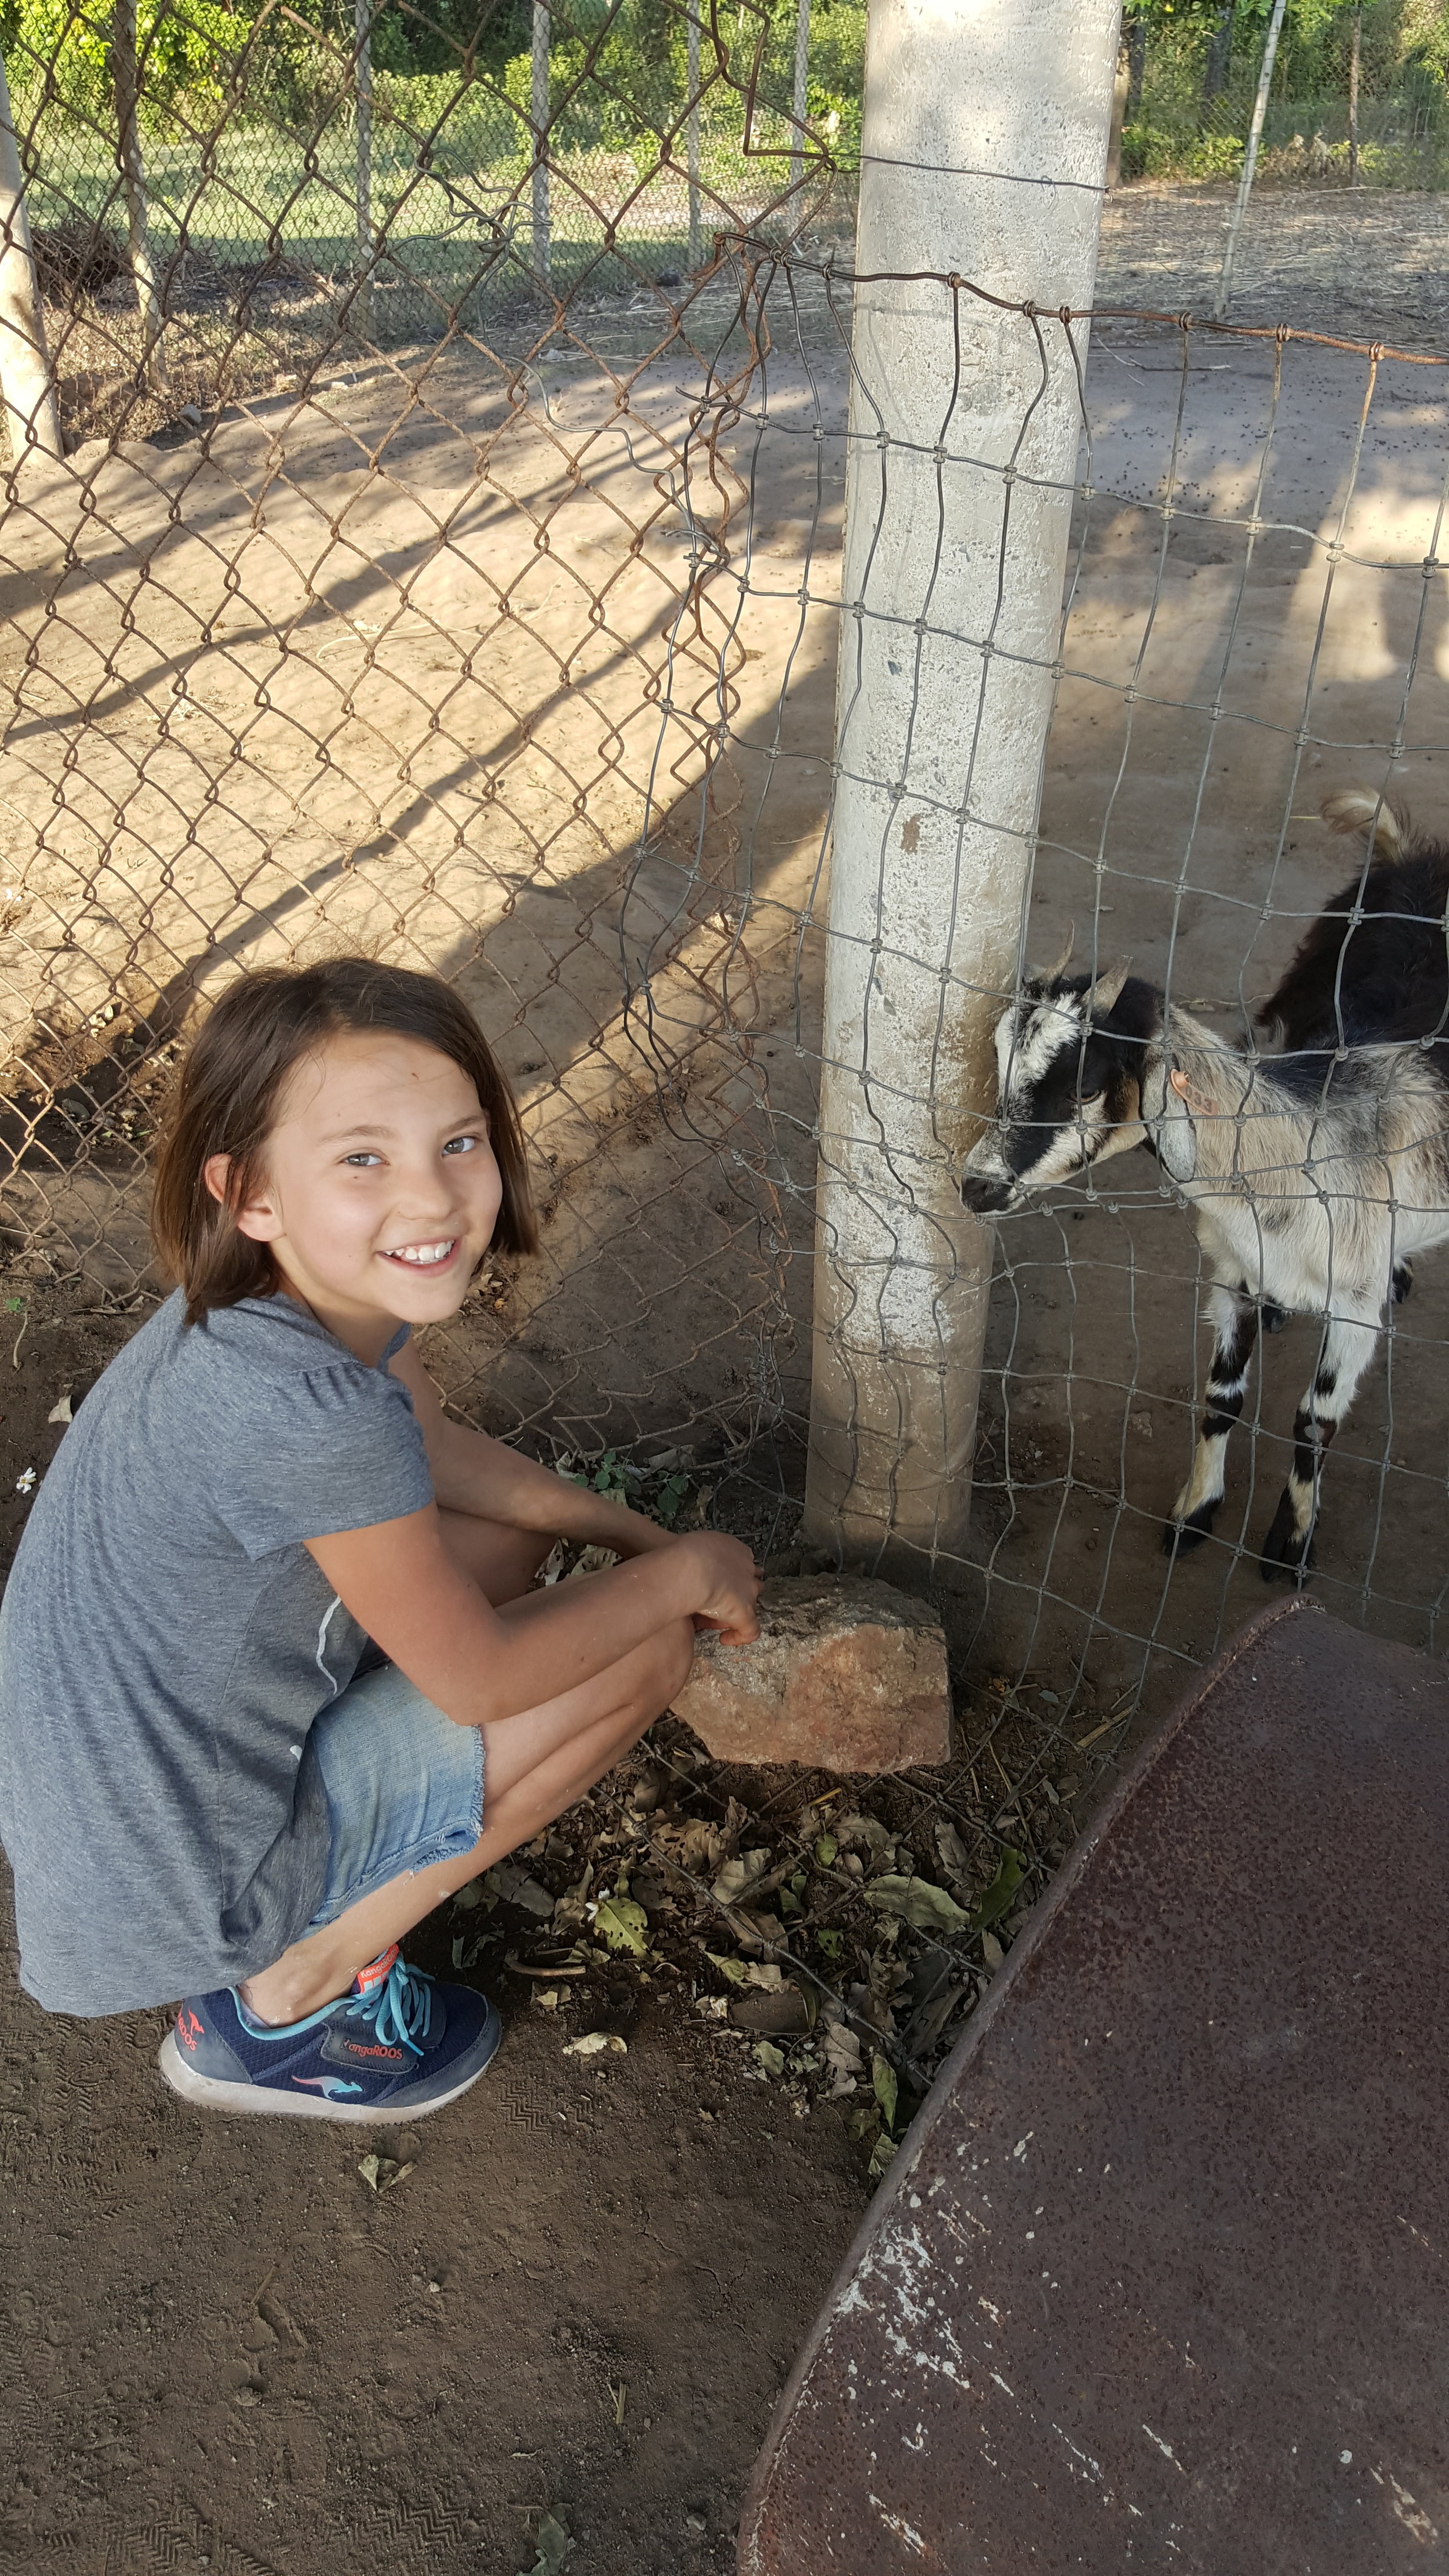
1357,809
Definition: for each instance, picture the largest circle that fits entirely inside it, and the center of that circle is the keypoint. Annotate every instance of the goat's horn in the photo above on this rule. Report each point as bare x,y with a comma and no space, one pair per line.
1049,974
1356,809
1108,985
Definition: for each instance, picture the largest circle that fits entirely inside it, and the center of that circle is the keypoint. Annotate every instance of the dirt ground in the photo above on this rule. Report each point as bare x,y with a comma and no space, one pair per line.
226,2351
402,665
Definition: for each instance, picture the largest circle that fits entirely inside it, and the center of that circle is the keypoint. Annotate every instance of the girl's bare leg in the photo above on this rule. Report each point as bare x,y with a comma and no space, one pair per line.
536,1765
502,1561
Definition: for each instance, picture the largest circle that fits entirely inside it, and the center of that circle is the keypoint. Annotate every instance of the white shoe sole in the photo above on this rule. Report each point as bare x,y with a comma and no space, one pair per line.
210,2093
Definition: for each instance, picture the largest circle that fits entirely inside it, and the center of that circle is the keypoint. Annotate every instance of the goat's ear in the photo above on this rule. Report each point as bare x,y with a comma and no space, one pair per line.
1187,1090
1108,986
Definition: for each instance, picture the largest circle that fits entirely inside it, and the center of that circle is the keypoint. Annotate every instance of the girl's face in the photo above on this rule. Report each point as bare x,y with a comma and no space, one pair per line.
381,1190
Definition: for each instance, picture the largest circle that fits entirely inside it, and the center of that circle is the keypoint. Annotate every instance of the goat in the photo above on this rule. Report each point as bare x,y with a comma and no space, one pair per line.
1314,1173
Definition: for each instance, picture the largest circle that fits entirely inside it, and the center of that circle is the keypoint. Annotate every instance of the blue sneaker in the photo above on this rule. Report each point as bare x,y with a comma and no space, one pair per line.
395,2048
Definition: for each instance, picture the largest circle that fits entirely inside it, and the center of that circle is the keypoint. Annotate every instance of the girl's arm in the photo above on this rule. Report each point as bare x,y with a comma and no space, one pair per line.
479,1664
472,1473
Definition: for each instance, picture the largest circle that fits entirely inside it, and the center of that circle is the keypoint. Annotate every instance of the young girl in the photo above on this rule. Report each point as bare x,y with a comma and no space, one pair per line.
272,1680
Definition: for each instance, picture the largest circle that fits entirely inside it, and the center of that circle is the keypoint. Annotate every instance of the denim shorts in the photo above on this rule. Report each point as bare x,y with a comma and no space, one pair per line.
404,1787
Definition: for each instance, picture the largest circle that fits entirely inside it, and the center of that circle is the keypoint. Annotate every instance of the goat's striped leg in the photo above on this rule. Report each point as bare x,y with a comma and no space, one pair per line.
1348,1345
1236,1320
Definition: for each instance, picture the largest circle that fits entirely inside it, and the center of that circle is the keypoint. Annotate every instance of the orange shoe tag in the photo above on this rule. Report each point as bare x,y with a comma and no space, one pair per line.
376,1972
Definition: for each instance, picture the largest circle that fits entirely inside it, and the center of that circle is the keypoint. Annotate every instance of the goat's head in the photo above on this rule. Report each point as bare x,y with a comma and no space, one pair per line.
1069,1053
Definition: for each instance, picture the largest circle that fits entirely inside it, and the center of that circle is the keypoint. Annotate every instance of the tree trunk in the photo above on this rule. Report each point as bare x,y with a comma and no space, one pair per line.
1219,56
125,83
1120,87
1136,33
27,389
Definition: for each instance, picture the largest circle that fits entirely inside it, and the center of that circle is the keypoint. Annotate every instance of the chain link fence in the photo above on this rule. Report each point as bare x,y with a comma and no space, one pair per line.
1357,97
419,592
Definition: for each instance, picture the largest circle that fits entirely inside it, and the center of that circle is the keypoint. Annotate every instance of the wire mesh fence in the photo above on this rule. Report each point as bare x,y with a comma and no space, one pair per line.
485,614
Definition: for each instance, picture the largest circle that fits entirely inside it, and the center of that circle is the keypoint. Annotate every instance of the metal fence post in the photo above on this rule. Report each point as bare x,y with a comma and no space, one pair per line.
1355,57
126,87
801,97
983,152
362,77
1250,159
27,389
542,242
696,236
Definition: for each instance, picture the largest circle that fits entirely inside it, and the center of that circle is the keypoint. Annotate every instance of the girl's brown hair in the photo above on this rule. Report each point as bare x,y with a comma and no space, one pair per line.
226,1102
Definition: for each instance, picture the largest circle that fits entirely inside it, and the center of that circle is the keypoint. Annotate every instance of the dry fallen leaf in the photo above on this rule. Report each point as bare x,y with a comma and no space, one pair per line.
738,1876
553,2547
517,1887
595,1560
919,1902
862,1829
955,1860
592,2043
60,1412
383,2173
622,1925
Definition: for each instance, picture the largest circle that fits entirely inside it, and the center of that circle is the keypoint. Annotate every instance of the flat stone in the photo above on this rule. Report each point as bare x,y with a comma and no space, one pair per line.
847,1674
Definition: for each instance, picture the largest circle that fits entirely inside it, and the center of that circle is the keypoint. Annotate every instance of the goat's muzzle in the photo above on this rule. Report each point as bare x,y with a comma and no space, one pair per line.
983,1197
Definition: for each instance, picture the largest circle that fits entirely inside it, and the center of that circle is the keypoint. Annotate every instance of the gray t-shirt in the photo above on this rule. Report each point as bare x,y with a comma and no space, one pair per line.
166,1641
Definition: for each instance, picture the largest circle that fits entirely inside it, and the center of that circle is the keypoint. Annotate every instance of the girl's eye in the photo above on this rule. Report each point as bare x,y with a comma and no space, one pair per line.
363,1161
460,1145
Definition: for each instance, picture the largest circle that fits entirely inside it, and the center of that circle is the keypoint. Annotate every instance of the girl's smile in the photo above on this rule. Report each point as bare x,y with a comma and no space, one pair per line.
424,1255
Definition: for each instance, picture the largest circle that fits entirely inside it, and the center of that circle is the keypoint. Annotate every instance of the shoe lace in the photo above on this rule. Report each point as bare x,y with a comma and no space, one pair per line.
400,2009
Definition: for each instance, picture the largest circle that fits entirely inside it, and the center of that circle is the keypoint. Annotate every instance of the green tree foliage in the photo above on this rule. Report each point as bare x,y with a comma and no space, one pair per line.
182,46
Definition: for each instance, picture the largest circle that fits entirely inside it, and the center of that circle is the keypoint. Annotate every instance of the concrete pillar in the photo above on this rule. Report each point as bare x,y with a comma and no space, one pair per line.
983,153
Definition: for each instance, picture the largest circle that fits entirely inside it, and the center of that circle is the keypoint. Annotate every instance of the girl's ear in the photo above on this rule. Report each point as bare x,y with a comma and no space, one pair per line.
259,1220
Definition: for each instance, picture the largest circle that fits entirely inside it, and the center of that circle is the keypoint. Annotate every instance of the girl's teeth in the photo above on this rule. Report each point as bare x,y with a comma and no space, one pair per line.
419,1260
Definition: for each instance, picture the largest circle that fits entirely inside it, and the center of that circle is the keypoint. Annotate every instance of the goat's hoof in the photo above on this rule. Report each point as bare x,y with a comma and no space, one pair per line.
1275,1319
1179,1538
1287,1551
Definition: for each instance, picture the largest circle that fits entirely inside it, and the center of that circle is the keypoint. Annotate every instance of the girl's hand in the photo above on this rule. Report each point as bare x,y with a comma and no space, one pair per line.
730,1582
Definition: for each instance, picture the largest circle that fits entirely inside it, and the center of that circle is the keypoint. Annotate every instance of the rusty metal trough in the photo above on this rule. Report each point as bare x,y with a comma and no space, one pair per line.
1158,2280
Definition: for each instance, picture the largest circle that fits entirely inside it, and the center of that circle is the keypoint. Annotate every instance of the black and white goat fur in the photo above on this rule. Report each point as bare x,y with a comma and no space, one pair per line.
1315,1173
